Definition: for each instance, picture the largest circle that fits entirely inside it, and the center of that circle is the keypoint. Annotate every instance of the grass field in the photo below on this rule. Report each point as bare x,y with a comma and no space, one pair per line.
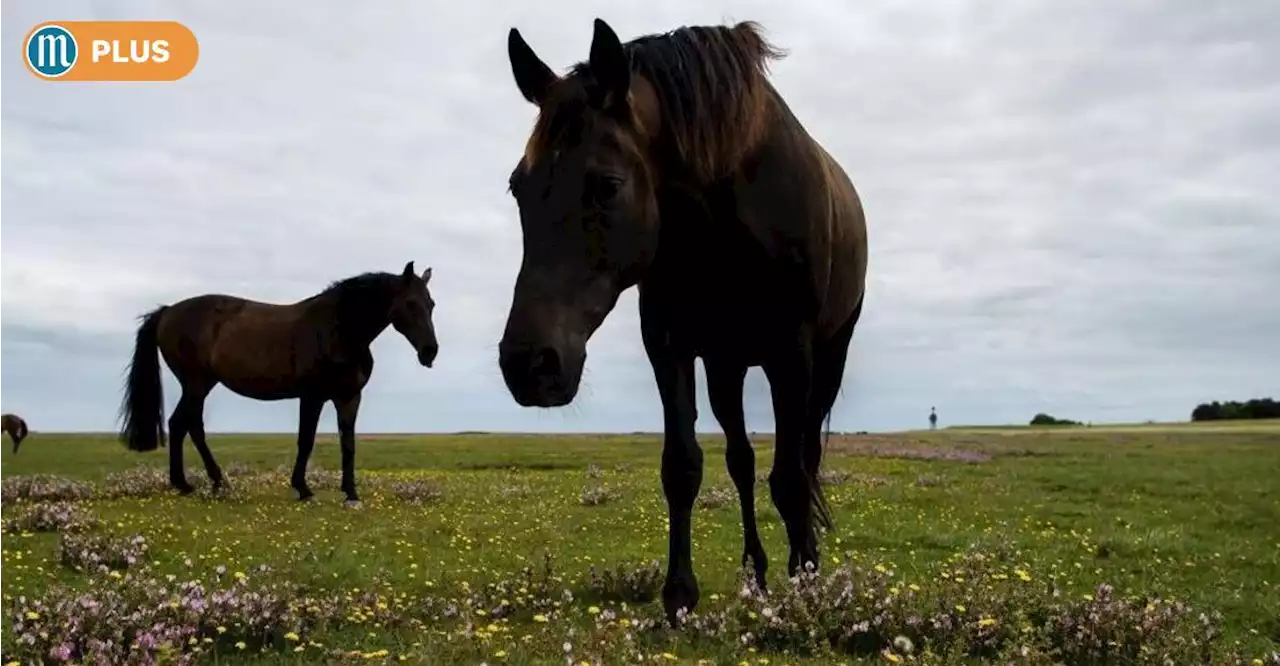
968,544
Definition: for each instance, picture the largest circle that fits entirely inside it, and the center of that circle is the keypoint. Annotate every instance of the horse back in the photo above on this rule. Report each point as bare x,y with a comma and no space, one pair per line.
240,342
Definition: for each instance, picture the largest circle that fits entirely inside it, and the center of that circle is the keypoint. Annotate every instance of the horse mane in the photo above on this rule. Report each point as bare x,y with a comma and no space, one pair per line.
712,91
364,295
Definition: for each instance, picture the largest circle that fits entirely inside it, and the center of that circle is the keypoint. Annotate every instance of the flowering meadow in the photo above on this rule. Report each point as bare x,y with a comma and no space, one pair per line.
1142,545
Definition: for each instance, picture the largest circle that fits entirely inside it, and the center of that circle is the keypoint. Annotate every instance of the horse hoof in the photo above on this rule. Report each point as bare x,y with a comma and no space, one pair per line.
679,597
185,489
352,504
304,495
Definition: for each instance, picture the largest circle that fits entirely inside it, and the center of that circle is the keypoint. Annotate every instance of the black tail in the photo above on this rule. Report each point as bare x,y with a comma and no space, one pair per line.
143,406
19,432
822,510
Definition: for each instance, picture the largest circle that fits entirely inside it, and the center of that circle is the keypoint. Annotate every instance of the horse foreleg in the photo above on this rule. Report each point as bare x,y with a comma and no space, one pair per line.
681,469
348,409
308,417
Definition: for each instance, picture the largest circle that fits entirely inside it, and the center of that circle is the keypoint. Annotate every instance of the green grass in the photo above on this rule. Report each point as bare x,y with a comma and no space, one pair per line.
1188,512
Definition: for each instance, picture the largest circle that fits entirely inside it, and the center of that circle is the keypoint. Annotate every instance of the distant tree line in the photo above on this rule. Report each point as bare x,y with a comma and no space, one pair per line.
1043,419
1258,408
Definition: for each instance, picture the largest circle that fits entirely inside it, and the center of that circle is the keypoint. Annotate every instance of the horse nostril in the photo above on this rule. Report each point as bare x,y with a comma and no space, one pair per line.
545,363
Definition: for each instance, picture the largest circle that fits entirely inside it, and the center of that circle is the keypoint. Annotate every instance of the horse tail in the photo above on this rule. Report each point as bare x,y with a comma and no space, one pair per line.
818,498
143,406
17,429
821,509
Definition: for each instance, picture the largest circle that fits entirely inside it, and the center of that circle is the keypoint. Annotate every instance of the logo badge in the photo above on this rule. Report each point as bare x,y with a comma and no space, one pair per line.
51,51
111,51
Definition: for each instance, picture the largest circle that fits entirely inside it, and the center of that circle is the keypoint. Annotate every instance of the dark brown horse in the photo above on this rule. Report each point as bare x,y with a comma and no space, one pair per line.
16,427
671,163
316,350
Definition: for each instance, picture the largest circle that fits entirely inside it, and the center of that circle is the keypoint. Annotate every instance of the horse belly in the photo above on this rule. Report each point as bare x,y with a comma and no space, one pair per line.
259,365
262,389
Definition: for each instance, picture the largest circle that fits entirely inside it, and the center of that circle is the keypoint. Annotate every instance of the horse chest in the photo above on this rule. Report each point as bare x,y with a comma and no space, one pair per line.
714,305
347,377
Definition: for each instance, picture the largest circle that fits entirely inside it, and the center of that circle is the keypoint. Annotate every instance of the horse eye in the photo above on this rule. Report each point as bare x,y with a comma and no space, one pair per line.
608,188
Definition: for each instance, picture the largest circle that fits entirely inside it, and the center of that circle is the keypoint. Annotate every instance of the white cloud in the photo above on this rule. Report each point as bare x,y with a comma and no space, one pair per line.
1072,207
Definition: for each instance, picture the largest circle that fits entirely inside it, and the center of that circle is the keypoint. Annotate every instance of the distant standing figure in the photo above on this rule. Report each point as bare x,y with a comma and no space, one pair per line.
933,418
16,427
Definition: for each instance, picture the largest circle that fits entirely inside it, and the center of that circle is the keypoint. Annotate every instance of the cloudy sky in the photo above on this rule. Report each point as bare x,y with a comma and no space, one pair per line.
1072,207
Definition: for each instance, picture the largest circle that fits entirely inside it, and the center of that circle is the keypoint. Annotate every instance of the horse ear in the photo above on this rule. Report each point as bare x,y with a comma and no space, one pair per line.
609,65
533,77
426,275
409,272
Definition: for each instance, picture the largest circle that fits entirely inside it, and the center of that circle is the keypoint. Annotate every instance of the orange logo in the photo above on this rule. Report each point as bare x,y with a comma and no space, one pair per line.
110,50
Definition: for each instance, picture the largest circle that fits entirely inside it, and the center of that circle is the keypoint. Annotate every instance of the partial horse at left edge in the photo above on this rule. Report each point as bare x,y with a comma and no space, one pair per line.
16,427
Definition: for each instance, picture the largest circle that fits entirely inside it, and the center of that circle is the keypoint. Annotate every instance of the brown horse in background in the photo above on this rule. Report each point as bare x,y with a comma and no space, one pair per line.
16,427
316,350
672,164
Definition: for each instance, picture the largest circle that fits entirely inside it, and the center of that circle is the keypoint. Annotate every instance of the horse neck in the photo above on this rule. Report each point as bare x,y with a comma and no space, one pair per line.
363,333
361,314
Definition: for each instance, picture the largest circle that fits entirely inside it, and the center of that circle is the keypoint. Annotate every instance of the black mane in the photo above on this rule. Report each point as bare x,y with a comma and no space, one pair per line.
364,296
712,90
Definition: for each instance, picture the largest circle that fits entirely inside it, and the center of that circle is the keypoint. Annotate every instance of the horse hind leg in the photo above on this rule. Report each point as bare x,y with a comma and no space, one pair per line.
724,390
195,424
177,433
791,485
